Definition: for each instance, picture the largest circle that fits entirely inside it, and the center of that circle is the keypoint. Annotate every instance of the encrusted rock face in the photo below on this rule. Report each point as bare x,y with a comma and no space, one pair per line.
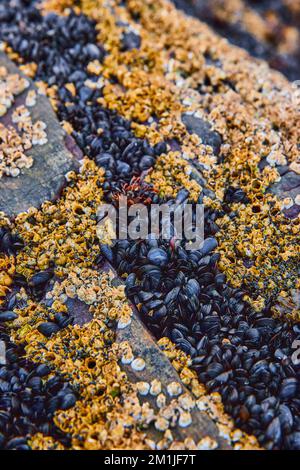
44,178
269,29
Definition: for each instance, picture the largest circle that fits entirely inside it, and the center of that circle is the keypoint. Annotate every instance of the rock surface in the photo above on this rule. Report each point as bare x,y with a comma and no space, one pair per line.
288,187
51,161
203,129
257,36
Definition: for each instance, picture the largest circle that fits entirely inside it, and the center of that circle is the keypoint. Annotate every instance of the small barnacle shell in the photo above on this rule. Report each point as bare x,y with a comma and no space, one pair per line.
236,435
20,114
295,166
190,444
161,400
150,443
155,387
224,431
143,388
3,110
123,322
287,203
14,172
69,176
297,200
168,435
174,389
40,141
31,98
127,357
216,397
39,126
186,402
237,447
161,424
24,83
202,404
138,364
207,443
185,419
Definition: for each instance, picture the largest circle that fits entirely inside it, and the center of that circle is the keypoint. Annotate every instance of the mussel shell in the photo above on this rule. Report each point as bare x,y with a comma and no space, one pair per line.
48,329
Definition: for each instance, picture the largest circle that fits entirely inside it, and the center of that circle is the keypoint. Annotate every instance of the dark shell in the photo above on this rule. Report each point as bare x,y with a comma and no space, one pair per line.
42,370
288,388
48,329
172,295
274,431
40,278
158,257
209,245
7,316
107,252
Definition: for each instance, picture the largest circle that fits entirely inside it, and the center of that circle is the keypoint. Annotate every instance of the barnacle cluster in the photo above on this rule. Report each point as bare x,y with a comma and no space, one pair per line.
170,174
211,404
7,270
16,140
88,357
66,231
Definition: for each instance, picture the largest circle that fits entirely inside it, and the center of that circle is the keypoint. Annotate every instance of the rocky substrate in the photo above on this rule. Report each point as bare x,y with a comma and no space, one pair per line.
267,29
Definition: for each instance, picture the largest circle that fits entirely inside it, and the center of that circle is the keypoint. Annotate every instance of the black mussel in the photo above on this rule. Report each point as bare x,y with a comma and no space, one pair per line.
288,388
158,257
68,401
41,278
107,252
48,329
42,370
7,316
274,431
192,287
172,295
209,245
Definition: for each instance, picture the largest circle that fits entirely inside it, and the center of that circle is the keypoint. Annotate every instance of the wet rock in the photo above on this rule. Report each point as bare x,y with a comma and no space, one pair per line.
52,161
203,129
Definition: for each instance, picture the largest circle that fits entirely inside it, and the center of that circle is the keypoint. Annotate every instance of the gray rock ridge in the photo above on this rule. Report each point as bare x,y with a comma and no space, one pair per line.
45,179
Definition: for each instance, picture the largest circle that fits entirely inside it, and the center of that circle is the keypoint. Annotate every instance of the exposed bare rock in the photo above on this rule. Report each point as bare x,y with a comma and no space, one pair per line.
44,180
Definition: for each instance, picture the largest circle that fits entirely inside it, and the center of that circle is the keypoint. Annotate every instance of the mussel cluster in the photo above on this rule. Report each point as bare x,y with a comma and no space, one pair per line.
242,354
28,397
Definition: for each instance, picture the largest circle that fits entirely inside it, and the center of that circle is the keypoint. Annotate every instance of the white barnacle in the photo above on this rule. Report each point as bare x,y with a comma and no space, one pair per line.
185,419
174,389
207,443
155,387
124,322
161,424
138,364
127,357
143,388
31,98
161,400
